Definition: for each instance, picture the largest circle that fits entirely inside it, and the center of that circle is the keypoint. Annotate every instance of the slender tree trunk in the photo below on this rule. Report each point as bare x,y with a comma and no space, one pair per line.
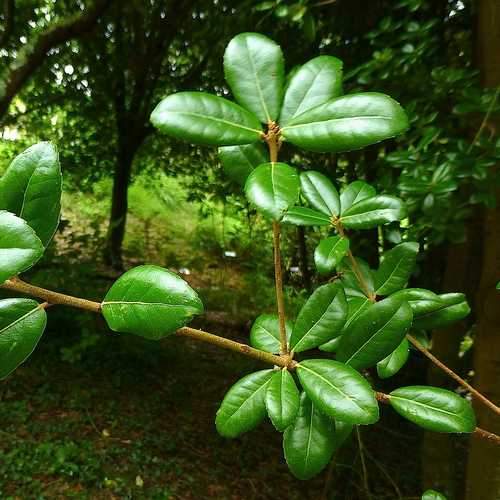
483,474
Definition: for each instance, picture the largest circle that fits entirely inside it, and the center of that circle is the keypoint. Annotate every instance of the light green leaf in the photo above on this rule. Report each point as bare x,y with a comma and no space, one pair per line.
20,247
205,119
319,191
310,442
273,188
321,318
396,268
390,365
265,333
151,302
346,123
433,495
239,161
282,399
434,409
356,191
255,70
372,212
338,391
331,345
31,189
329,253
303,216
375,333
244,406
22,323
314,83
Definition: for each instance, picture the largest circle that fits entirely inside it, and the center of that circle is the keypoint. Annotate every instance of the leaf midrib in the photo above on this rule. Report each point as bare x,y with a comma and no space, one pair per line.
213,118
336,120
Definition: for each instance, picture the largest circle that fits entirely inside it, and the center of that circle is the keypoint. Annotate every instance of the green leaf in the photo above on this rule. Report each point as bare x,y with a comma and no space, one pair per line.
314,83
282,399
452,307
331,345
273,188
239,161
329,253
434,409
372,212
342,431
390,365
433,495
338,391
355,192
255,70
265,333
321,317
350,280
244,405
422,302
319,191
22,323
31,189
205,119
20,247
396,268
375,333
303,216
310,442
346,123
151,302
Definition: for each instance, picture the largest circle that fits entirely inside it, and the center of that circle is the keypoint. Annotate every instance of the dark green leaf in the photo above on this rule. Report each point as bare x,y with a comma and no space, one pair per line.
239,161
355,192
319,191
205,119
310,442
321,318
433,495
314,83
342,432
350,280
421,301
303,216
346,123
452,307
372,212
375,333
338,391
22,323
390,365
244,405
396,268
273,188
265,333
282,399
20,247
151,302
31,189
255,70
434,409
329,253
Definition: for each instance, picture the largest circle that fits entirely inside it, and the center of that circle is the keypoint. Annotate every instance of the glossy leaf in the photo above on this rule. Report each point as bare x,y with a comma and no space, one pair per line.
239,161
314,83
356,191
205,119
273,188
151,302
22,323
338,390
396,268
350,280
310,442
303,216
282,399
265,333
421,301
20,247
390,365
372,212
31,189
321,318
342,432
375,333
255,70
433,495
244,405
434,409
329,253
331,345
320,192
453,307
346,123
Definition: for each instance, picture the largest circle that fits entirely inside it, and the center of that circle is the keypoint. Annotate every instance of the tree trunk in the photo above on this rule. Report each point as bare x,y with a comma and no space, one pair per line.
483,473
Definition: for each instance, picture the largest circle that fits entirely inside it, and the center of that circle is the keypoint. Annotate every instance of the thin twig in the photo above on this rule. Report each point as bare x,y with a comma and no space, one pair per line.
363,463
